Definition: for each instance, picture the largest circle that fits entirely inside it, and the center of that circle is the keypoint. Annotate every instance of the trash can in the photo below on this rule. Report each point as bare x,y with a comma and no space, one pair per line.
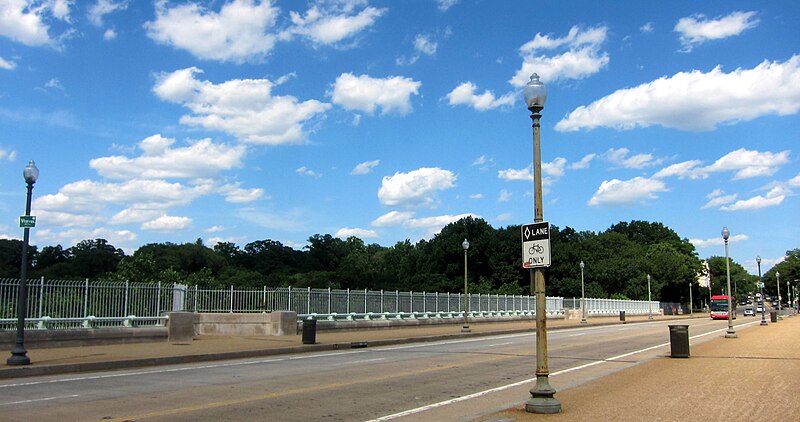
773,316
679,341
309,331
622,316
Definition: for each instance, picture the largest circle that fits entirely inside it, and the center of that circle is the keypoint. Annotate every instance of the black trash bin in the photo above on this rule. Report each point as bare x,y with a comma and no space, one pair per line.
679,341
773,316
622,316
309,331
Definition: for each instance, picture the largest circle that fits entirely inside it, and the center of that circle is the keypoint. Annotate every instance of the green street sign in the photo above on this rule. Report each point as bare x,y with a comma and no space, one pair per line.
27,221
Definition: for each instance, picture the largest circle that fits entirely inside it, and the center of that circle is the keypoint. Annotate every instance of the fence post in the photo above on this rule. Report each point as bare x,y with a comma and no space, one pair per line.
365,301
85,296
412,301
126,296
437,302
264,300
195,297
41,295
424,302
158,305
397,301
329,300
348,301
382,310
448,301
231,301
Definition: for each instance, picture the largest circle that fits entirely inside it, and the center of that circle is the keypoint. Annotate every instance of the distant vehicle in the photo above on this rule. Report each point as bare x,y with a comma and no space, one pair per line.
749,311
719,307
760,308
743,302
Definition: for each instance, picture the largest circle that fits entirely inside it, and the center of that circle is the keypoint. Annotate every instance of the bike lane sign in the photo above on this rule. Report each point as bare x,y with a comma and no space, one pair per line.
536,245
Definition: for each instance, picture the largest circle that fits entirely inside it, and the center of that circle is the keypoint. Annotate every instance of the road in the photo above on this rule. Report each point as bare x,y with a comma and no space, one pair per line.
450,380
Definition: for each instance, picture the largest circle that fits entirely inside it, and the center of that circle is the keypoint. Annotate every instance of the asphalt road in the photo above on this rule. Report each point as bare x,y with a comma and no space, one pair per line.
451,380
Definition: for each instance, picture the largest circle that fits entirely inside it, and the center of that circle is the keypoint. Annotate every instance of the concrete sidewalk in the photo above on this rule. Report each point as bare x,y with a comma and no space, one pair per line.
208,348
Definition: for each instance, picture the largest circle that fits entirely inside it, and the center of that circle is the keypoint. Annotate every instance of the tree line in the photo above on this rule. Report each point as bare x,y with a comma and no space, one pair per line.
617,262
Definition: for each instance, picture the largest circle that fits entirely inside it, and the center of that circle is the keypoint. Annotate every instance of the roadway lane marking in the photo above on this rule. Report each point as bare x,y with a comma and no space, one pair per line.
527,381
38,400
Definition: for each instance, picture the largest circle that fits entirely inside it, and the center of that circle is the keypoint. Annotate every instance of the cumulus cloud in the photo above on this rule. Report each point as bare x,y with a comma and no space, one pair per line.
25,22
365,167
464,94
695,100
416,188
443,5
583,163
346,232
159,160
718,198
364,93
695,30
305,171
392,218
244,108
582,56
742,162
238,32
550,170
102,8
718,241
7,64
167,223
428,225
328,23
773,198
618,192
619,157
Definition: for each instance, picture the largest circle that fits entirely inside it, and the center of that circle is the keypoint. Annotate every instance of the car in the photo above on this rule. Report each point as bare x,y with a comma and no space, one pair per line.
760,308
749,311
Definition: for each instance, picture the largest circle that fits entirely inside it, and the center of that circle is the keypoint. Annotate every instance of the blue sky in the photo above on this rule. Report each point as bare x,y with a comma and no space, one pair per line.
241,120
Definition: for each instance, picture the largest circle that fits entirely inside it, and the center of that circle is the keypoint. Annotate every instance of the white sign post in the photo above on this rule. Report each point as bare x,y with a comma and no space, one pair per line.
536,245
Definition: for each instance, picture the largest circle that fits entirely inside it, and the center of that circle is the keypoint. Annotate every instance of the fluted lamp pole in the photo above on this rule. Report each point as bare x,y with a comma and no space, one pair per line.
761,289
19,356
583,297
542,400
731,333
465,327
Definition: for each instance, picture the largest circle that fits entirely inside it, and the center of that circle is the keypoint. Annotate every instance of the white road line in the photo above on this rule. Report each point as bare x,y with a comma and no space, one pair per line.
528,381
38,400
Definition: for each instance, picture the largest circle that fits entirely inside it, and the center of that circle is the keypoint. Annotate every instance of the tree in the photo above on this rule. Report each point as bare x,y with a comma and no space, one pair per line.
93,258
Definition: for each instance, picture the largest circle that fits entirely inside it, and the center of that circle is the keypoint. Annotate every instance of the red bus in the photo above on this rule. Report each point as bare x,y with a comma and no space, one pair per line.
719,307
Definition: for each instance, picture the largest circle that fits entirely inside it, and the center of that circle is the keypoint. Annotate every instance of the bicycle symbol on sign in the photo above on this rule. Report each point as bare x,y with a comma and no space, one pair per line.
536,249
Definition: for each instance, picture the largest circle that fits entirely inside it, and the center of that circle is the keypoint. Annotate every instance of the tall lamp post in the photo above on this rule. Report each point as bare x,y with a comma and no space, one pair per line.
691,304
542,400
465,327
583,297
778,284
788,296
649,300
731,333
19,356
761,289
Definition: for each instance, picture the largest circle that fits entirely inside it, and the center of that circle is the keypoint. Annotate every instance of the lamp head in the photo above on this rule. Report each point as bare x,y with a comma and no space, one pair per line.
758,260
726,233
535,92
30,173
465,244
582,264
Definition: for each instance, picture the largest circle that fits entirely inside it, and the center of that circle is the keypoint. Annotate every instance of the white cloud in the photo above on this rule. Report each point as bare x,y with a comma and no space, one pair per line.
7,155
167,223
7,64
505,196
476,196
464,94
695,30
424,45
773,198
484,162
75,235
364,93
328,23
109,34
416,188
514,174
159,161
443,5
393,218
718,241
718,198
683,170
619,157
245,108
305,171
583,56
239,32
552,170
101,8
748,164
25,22
365,167
346,232
795,181
648,27
618,192
583,163
234,194
135,215
696,100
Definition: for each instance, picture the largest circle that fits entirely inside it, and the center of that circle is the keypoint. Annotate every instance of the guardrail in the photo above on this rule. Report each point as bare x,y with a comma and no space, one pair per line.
48,323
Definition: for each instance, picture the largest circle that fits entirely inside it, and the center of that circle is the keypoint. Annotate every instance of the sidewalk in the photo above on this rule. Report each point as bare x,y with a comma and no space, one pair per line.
753,377
208,348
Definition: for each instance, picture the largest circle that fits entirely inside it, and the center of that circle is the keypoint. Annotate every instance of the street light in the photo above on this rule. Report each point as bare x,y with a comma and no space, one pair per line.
649,301
788,295
761,288
778,283
731,332
19,356
465,327
542,400
583,297
691,304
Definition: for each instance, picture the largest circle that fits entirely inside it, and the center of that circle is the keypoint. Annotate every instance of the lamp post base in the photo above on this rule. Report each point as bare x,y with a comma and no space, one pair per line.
763,322
465,328
542,400
731,334
19,356
583,321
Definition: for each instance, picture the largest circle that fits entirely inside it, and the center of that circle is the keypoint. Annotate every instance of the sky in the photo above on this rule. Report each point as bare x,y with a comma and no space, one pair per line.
243,120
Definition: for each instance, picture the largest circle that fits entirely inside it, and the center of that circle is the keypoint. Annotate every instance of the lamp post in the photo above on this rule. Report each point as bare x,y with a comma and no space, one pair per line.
542,400
583,297
465,327
731,333
19,356
649,301
691,304
778,284
788,295
761,289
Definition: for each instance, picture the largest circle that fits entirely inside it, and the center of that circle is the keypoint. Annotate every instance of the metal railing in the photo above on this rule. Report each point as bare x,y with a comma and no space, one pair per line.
54,304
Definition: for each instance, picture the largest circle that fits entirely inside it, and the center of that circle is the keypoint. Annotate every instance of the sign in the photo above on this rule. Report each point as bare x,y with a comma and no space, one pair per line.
536,245
27,221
